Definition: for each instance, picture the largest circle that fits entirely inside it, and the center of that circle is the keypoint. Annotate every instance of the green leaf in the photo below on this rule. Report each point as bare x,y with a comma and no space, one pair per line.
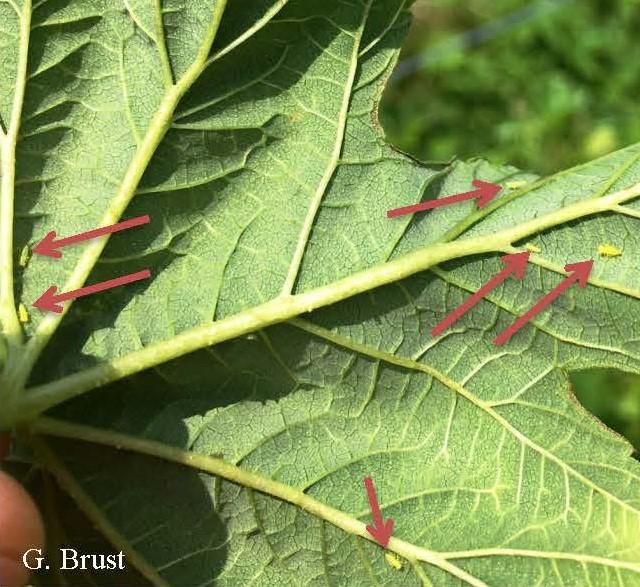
215,423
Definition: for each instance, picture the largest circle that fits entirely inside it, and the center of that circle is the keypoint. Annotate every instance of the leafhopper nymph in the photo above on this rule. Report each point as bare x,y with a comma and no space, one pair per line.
393,560
25,256
23,314
609,251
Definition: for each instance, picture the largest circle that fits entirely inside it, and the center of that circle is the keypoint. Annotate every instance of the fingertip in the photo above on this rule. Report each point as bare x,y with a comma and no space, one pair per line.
21,528
12,572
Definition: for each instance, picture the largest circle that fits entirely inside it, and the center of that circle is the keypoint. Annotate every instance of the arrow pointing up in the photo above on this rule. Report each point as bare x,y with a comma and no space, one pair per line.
484,193
516,265
579,274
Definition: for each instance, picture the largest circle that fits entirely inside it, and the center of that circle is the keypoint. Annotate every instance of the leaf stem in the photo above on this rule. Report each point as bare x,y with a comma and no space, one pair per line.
280,309
41,398
244,478
8,313
158,127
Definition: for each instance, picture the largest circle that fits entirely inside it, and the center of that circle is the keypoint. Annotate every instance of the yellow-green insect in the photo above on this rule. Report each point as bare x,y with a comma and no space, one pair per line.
609,251
25,256
23,314
514,185
533,248
393,560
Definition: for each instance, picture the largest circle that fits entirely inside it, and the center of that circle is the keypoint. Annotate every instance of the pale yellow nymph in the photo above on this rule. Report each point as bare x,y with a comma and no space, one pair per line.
393,560
609,251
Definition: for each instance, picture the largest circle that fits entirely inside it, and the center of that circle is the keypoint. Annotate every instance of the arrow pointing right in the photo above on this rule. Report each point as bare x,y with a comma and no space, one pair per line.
579,274
484,193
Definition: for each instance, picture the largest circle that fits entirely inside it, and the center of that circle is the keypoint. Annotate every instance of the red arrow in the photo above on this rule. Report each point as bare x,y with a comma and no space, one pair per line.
579,273
381,531
484,194
516,265
49,301
49,246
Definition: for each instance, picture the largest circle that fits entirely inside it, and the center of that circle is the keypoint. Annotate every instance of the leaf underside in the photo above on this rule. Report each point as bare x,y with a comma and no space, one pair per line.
268,179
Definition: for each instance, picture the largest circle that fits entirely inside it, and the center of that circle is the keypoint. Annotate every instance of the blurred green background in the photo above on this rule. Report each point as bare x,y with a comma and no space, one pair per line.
542,84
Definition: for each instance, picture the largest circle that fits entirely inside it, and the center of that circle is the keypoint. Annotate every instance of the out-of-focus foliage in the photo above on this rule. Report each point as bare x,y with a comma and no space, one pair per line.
556,84
614,397
541,84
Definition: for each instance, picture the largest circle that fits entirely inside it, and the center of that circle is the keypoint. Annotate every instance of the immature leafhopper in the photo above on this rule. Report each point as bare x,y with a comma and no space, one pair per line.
23,313
533,248
609,251
25,256
393,560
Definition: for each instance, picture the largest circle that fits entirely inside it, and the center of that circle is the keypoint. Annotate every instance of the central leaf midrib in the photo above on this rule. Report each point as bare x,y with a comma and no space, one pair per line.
281,308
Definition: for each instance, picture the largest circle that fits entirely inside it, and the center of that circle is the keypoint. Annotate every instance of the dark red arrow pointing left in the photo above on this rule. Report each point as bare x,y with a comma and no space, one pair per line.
381,530
49,246
49,301
484,193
